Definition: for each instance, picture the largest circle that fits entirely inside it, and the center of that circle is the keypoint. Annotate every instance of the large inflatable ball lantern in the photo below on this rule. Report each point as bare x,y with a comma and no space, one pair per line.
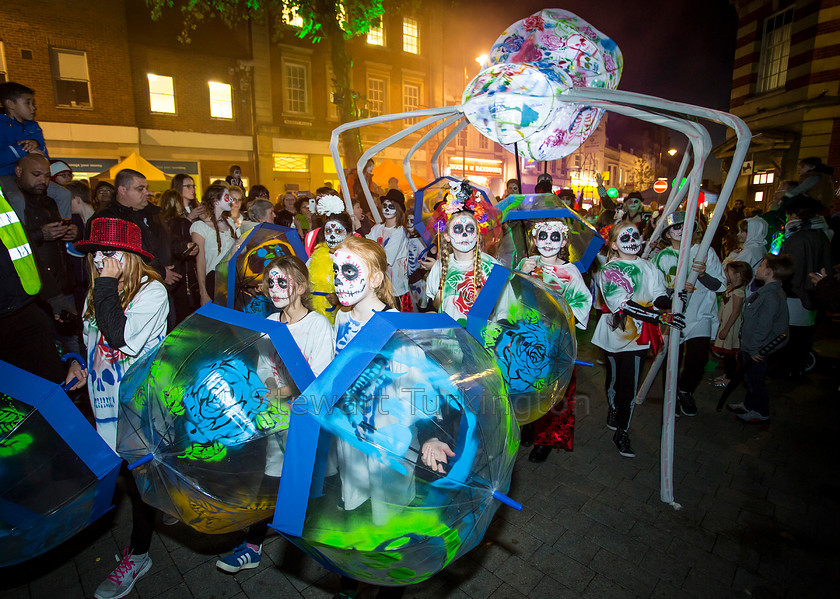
529,330
517,97
57,475
399,453
204,418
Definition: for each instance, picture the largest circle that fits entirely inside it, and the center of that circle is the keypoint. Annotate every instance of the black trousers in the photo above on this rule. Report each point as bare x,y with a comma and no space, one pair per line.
623,370
27,340
142,515
757,398
694,353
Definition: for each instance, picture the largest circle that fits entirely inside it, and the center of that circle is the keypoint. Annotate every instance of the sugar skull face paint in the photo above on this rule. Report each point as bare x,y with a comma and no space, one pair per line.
550,238
676,232
633,205
225,202
389,210
279,288
410,223
99,258
629,241
463,232
334,233
351,277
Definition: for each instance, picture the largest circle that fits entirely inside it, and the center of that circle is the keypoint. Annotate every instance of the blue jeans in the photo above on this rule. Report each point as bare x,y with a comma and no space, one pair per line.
754,373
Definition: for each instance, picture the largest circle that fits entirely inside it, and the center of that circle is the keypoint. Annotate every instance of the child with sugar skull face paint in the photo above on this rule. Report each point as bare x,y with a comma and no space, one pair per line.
286,284
633,291
393,237
456,279
550,239
335,229
700,311
124,317
363,288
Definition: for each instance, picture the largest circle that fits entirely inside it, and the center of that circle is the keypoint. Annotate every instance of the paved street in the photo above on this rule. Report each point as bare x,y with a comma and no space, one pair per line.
758,518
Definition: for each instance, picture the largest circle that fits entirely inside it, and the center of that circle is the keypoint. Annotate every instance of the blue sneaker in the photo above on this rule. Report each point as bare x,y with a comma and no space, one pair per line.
242,558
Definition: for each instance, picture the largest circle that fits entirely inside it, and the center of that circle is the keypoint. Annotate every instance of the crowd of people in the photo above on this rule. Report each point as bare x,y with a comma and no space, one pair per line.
113,269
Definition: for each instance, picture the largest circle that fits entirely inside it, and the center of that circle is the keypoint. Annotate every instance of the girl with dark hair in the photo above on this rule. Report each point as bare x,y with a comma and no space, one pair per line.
214,235
103,194
392,236
185,186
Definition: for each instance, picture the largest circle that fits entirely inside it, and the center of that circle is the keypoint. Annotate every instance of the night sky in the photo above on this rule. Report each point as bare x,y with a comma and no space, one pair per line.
678,50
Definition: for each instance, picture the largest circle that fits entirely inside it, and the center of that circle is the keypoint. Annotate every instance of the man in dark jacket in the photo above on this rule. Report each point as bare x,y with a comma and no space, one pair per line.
132,204
807,243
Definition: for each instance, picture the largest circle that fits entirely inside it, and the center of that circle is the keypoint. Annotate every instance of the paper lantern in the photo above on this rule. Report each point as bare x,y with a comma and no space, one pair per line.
537,59
356,494
529,329
203,418
57,475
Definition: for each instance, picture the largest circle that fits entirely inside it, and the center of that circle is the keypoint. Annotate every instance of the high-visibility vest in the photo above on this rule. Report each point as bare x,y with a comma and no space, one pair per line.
14,238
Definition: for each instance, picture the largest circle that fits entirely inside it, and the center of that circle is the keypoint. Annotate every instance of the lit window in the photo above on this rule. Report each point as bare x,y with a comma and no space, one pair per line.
221,104
483,142
3,77
292,17
161,93
462,138
759,196
411,35
376,34
775,49
70,78
329,165
297,96
293,163
376,96
764,178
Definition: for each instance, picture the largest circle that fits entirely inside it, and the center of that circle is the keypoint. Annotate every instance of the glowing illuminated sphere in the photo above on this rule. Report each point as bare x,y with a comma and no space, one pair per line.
204,416
357,493
545,54
529,329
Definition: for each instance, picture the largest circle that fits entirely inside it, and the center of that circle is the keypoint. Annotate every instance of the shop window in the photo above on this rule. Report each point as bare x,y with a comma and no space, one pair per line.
291,163
161,93
765,178
71,82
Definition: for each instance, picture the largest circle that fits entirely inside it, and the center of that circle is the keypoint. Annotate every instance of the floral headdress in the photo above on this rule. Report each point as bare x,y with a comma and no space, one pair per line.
461,196
545,224
330,204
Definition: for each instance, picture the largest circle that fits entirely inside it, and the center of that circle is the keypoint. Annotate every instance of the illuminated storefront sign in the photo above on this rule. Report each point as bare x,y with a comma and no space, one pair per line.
480,166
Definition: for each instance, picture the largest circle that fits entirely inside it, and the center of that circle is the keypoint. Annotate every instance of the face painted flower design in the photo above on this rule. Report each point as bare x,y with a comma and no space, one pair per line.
279,287
99,258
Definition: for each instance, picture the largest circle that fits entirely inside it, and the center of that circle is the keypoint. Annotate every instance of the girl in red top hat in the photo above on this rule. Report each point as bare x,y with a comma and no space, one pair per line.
124,319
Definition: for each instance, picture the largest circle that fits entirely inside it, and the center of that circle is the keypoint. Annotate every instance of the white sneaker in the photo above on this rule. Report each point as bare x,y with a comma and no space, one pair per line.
752,417
738,408
121,581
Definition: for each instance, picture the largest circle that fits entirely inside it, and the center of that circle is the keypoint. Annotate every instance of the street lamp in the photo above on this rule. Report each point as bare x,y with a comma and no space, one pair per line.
672,151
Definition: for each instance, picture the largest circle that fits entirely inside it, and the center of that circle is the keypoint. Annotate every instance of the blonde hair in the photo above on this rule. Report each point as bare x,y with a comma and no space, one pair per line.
446,252
374,256
292,267
134,270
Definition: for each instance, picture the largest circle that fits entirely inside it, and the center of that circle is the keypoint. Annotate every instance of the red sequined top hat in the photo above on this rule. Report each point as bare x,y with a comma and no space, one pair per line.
109,234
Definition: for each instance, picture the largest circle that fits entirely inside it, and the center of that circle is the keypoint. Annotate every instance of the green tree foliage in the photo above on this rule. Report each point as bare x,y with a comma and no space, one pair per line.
323,21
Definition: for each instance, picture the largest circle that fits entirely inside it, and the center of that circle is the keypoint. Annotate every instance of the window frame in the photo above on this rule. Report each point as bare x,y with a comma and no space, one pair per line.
768,81
3,70
415,37
230,101
307,86
384,80
174,98
383,40
55,74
